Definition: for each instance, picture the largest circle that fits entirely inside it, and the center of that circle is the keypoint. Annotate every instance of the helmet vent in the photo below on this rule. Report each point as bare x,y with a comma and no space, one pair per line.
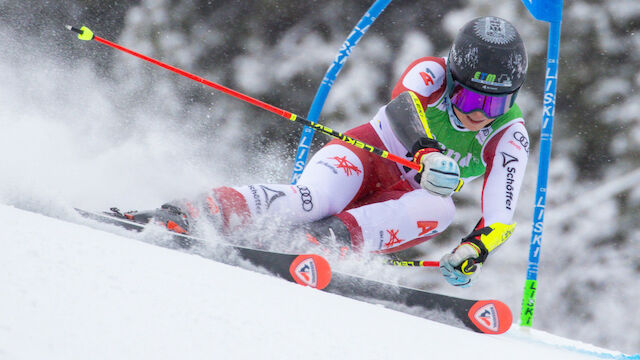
494,30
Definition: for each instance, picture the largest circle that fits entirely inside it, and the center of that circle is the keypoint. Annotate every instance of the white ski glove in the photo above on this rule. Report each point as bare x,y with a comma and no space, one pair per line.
459,268
462,265
440,174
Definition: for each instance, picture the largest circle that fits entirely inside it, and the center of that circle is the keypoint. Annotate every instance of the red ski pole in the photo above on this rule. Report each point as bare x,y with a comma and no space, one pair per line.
86,34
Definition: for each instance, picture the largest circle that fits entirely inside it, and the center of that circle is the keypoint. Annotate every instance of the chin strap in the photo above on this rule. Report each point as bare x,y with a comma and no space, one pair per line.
452,116
447,100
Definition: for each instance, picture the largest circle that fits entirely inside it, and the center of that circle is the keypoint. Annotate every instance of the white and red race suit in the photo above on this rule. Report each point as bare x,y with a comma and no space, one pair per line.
383,207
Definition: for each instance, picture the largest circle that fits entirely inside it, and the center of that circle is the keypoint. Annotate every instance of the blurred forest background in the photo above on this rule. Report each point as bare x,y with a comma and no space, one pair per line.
278,51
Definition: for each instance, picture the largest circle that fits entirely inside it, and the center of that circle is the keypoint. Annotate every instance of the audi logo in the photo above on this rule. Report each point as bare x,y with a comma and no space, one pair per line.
522,139
305,196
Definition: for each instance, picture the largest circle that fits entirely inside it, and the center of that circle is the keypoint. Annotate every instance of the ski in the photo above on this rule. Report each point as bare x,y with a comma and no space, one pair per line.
483,316
304,269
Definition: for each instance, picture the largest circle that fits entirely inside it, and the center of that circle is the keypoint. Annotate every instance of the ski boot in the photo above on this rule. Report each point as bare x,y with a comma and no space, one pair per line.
180,216
331,234
169,216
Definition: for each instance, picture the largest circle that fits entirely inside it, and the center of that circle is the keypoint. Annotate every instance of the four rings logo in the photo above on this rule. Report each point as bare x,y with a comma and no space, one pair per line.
305,196
522,139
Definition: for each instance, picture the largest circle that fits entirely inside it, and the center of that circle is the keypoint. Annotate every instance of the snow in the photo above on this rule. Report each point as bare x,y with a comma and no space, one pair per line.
73,292
83,125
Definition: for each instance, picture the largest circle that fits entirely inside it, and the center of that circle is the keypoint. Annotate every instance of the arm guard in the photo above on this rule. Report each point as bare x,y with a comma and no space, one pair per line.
488,238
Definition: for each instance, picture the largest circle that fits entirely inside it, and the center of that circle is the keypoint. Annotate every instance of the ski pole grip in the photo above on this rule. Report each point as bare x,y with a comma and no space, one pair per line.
84,33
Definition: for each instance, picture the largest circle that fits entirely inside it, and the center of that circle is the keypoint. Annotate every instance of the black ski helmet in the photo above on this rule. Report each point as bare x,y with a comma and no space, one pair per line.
488,56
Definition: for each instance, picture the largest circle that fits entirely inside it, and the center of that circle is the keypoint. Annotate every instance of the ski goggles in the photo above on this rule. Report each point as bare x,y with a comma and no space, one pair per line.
468,101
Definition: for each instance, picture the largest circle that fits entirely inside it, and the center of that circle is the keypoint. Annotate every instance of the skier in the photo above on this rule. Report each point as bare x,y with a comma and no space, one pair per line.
352,200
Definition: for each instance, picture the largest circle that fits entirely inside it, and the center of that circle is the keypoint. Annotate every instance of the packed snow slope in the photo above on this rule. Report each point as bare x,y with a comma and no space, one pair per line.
74,292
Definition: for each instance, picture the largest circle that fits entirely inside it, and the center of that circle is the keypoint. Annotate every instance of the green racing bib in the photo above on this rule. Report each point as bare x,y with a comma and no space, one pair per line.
465,146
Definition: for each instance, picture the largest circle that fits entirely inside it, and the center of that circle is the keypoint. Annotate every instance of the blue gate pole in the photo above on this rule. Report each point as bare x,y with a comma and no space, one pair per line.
332,73
550,11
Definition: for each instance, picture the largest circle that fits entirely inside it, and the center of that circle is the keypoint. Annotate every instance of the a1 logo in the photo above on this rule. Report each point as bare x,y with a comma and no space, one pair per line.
427,227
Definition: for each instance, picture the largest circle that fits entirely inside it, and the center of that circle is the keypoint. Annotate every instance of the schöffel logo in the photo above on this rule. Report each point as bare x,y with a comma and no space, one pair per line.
271,195
307,272
488,317
507,159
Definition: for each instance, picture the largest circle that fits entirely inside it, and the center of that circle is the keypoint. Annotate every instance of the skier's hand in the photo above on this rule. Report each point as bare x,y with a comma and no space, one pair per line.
463,264
440,174
460,267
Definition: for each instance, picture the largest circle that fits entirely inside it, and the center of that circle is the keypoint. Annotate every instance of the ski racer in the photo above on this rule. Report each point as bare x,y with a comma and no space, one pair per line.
455,115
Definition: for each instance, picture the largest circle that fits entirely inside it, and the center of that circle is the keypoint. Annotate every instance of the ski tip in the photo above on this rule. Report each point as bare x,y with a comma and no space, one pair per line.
491,316
311,270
